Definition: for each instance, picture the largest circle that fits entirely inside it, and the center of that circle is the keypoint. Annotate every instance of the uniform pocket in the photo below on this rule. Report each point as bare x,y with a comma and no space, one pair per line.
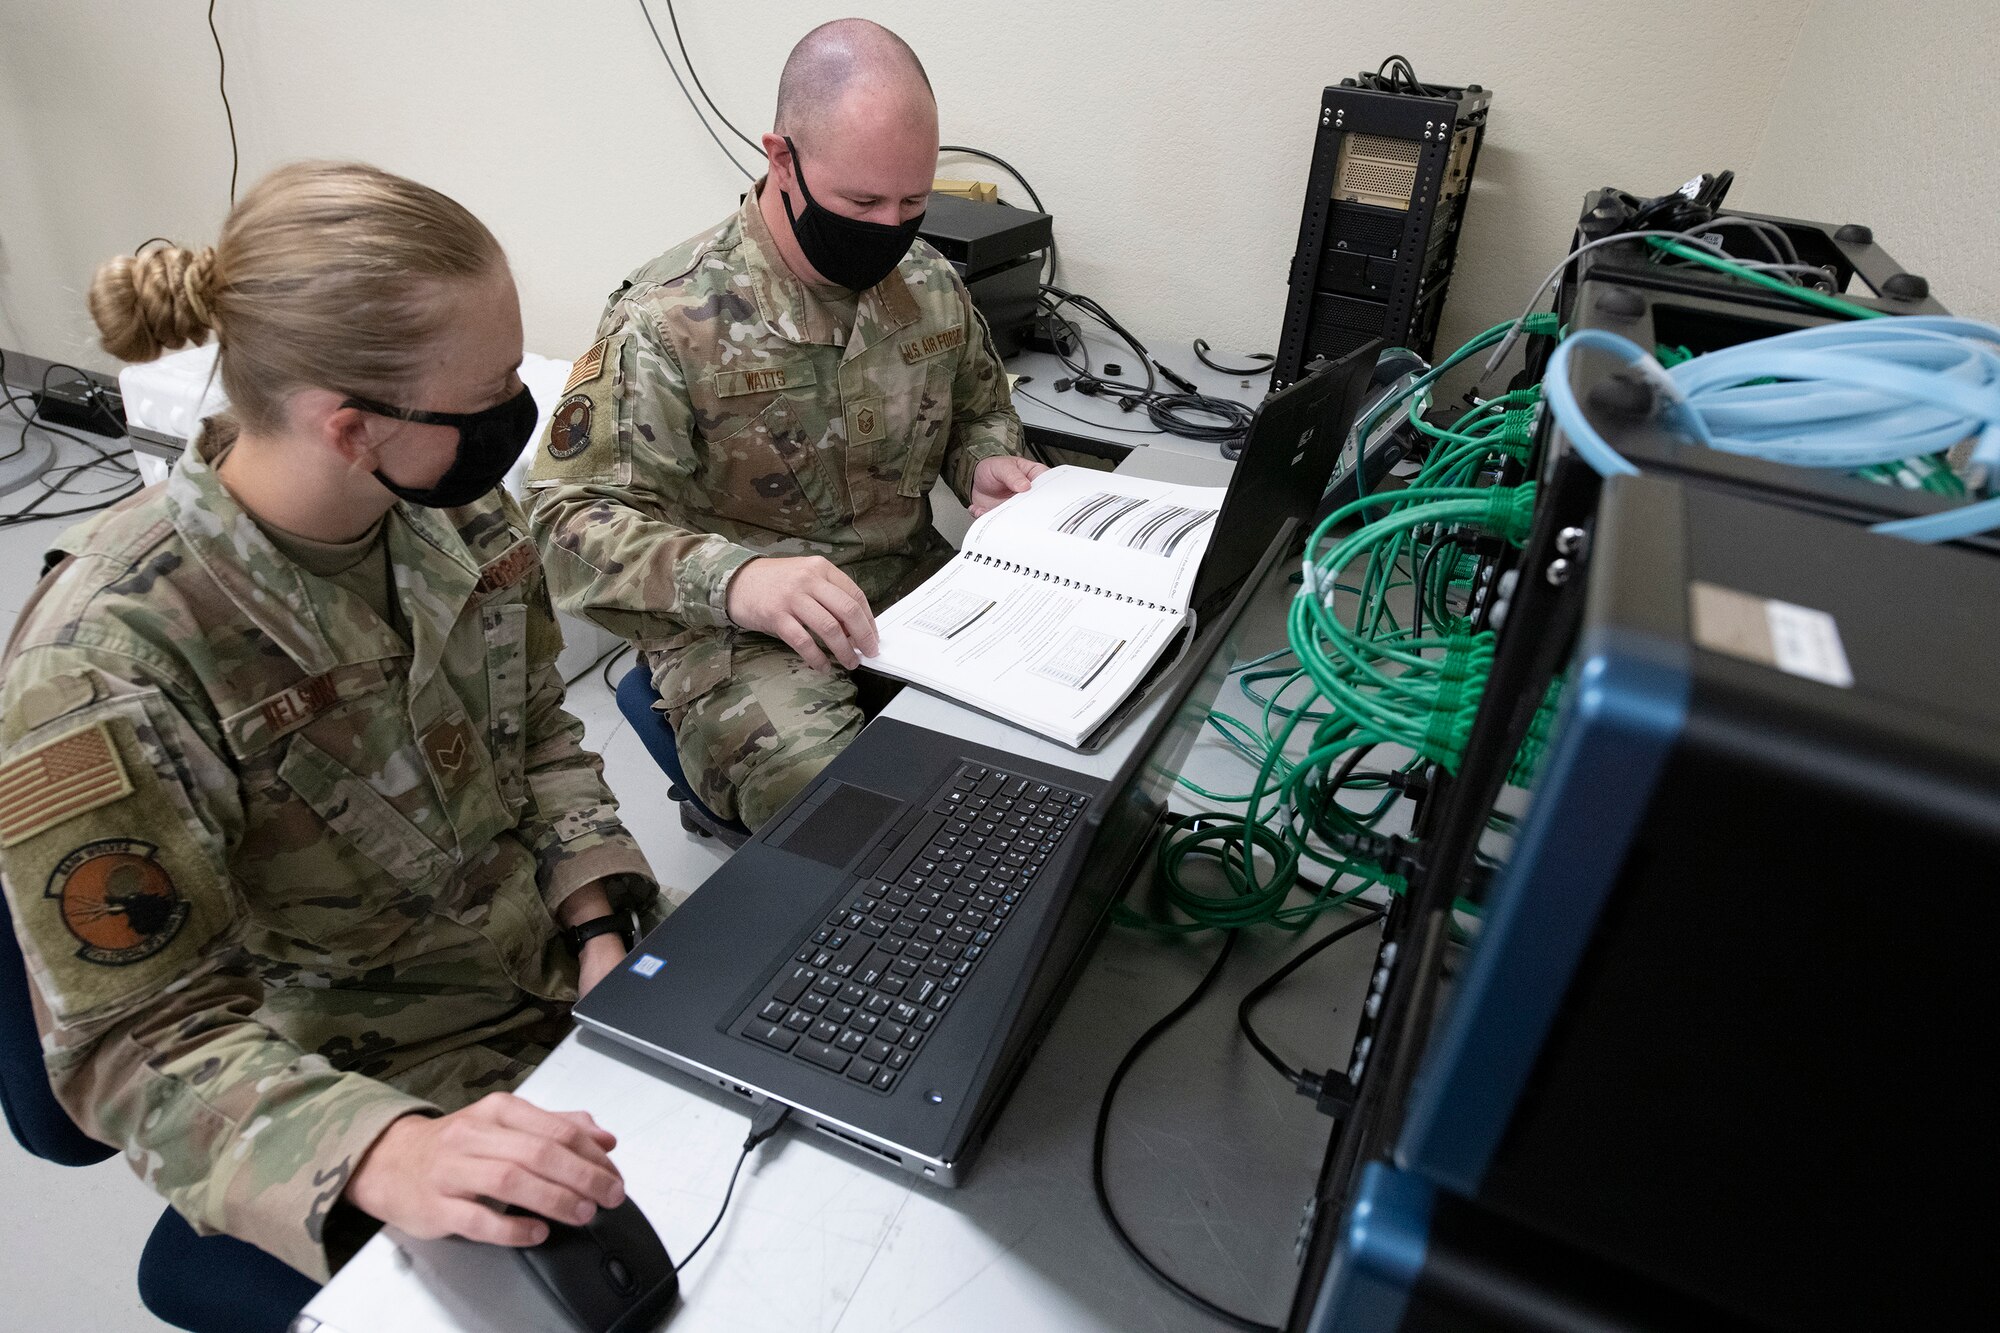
765,475
410,866
691,672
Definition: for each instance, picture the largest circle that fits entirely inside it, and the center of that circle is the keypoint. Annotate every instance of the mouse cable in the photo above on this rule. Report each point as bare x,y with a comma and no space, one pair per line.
1146,1039
763,1125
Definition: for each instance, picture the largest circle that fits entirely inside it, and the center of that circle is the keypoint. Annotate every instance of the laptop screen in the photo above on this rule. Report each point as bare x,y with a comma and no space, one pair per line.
1288,458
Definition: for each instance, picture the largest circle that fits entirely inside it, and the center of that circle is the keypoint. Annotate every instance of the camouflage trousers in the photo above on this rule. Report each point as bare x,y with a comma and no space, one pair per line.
752,741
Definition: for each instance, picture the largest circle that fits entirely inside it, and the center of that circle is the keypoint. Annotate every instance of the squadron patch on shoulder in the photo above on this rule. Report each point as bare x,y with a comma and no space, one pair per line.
569,429
117,900
60,779
588,366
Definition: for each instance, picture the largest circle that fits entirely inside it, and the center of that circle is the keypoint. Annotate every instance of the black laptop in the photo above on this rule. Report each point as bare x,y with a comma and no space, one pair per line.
887,951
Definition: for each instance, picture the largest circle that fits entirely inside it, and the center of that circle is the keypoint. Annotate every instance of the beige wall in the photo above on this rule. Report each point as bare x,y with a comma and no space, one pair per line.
1169,138
1890,115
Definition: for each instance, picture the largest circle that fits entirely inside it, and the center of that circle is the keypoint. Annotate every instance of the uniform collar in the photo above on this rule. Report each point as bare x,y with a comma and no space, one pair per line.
316,623
796,315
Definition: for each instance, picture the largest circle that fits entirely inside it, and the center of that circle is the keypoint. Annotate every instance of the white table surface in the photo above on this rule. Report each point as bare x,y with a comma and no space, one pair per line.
1211,1155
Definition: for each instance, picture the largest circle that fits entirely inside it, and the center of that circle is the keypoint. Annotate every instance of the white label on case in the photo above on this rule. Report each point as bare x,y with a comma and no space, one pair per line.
1807,643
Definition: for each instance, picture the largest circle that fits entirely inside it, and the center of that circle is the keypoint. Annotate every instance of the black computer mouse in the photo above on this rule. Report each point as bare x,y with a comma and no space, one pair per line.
610,1275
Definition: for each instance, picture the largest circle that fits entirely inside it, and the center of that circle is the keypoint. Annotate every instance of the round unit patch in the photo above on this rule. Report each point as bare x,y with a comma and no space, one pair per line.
118,900
569,430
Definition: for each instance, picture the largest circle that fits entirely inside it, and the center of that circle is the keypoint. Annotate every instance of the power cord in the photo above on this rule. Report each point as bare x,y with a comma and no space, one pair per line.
770,1116
681,83
1202,349
1305,1081
1104,1205
222,86
1189,414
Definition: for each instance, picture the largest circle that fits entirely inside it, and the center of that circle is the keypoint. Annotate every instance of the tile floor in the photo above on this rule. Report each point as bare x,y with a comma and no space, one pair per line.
71,1237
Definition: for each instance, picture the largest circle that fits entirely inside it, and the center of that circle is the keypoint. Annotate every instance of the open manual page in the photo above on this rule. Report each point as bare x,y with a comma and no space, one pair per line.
1061,601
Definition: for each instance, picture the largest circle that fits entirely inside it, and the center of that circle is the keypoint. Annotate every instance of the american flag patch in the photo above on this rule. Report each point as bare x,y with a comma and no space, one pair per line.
588,366
59,780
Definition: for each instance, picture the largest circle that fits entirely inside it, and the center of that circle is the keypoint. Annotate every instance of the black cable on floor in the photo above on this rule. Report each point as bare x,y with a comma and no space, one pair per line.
1146,1039
1272,982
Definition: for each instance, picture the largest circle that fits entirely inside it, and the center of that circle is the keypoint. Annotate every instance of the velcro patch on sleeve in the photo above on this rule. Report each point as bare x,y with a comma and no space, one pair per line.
60,779
581,443
588,366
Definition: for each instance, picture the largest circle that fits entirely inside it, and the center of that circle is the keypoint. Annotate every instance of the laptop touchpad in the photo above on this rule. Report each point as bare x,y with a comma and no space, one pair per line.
840,820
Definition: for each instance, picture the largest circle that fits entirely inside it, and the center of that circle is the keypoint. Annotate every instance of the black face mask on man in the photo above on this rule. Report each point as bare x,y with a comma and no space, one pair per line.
846,251
489,442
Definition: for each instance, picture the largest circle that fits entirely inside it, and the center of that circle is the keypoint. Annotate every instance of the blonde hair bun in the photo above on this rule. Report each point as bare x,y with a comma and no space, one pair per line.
155,301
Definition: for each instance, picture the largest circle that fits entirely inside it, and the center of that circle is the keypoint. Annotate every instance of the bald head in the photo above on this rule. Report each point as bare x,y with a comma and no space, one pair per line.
851,69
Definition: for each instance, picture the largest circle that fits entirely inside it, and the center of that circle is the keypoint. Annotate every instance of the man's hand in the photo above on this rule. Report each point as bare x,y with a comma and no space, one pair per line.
998,479
427,1175
806,601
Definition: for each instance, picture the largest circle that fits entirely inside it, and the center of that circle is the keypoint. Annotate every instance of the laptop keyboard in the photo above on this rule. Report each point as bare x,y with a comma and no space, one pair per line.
862,995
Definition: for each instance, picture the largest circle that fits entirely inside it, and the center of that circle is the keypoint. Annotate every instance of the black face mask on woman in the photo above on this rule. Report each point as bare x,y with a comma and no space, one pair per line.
489,442
846,251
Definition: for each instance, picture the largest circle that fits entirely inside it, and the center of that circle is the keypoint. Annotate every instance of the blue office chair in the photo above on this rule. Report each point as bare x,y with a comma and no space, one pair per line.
638,702
207,1284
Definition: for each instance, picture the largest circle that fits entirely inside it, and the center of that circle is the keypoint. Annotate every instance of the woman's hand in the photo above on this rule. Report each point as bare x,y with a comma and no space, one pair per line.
429,1176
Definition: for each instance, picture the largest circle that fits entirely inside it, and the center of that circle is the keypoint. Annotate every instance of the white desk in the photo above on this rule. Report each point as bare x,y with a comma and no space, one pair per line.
1211,1156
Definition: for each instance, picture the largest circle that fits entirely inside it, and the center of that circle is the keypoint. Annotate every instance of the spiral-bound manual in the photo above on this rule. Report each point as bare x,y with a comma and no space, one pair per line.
1059,604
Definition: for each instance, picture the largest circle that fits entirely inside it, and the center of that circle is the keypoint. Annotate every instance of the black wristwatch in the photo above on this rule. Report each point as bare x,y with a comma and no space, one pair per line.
576,936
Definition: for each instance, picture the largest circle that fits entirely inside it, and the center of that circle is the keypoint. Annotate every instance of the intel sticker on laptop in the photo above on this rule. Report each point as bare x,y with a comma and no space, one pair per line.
648,965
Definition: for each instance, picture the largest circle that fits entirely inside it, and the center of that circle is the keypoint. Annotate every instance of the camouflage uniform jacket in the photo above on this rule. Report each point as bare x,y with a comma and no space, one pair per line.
264,856
726,413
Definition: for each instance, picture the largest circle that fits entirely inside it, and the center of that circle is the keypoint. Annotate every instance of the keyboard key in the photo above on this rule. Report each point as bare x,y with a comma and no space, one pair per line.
825,1030
930,934
898,1058
917,949
903,930
771,1035
876,1050
798,1020
874,888
922,990
903,967
821,958
937,967
850,1041
823,1055
877,1004
983,938
892,985
991,784
794,985
890,1032
863,1072
820,936
912,1039
774,1011
938,1001
961,967
949,951
951,983
863,1022
906,1013
852,994
885,1080
838,1013
874,929
926,1020
812,1004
